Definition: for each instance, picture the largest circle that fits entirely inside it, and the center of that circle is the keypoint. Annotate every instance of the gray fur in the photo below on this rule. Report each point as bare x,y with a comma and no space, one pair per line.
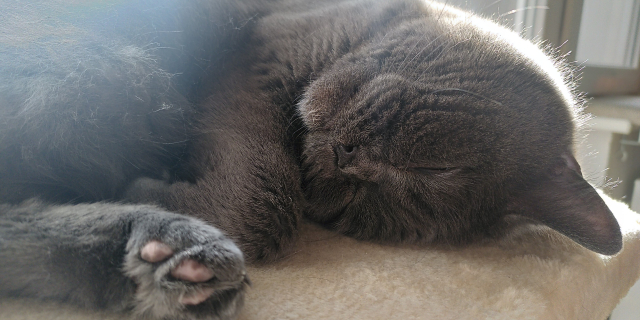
391,121
89,254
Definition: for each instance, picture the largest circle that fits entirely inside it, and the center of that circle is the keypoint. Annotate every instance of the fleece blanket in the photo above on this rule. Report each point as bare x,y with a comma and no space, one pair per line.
534,273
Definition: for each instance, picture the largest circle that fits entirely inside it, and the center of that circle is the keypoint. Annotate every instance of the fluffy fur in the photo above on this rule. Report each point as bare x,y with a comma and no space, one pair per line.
394,121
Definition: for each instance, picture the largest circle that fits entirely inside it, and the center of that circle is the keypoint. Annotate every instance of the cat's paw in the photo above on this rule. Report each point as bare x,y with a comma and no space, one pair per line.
184,269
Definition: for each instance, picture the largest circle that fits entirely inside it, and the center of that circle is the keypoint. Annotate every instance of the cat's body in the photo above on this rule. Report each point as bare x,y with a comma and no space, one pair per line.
395,121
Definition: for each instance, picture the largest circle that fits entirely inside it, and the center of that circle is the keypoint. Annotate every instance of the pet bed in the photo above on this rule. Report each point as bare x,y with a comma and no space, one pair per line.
534,273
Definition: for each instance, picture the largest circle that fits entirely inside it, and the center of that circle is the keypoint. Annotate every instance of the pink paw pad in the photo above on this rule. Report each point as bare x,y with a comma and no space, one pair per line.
155,251
188,270
192,270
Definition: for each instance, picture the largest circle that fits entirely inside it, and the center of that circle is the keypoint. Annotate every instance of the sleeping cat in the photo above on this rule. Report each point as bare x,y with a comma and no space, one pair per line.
148,148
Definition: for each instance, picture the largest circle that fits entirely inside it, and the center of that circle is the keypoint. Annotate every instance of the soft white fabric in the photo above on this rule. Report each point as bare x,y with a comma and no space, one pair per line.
535,273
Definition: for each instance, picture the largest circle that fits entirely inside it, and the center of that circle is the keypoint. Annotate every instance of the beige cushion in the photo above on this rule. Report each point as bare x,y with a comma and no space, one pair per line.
535,273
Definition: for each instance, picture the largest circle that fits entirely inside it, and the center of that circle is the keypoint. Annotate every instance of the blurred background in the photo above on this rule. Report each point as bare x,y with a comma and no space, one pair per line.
601,39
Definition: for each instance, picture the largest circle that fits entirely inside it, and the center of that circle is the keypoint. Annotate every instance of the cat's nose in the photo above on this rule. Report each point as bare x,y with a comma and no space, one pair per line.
345,154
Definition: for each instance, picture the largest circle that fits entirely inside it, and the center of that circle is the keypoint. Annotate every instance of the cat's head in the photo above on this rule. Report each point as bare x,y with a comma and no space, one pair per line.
424,145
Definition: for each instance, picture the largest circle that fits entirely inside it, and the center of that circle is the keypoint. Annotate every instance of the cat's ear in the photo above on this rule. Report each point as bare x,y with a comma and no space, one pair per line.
568,204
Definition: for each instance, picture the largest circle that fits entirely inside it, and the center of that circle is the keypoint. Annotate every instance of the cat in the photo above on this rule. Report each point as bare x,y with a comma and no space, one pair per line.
149,149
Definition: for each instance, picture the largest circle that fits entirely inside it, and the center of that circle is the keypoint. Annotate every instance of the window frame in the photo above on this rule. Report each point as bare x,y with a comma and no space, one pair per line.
562,26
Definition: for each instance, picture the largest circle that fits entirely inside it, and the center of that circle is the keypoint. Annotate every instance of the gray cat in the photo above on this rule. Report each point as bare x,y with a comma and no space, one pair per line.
391,121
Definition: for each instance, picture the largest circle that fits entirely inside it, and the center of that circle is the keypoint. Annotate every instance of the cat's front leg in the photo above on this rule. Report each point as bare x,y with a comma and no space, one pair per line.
120,257
247,178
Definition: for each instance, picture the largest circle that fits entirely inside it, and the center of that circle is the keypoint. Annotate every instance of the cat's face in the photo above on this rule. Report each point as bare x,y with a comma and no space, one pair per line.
395,156
399,152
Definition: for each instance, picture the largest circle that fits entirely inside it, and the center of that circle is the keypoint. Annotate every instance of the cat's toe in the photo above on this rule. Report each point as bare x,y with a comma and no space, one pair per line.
155,251
185,269
193,271
188,270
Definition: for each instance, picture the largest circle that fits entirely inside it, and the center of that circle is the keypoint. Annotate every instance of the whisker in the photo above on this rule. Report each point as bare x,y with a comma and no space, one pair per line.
421,51
522,9
442,11
423,38
299,132
469,92
446,50
490,4
427,45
